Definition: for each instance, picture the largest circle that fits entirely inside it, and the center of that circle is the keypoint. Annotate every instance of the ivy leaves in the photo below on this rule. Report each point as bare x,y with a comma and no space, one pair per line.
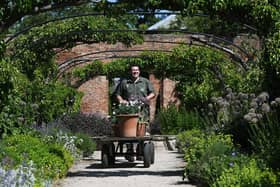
36,48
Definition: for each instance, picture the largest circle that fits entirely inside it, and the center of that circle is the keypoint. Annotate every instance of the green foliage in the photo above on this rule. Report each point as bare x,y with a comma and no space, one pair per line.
260,14
272,50
50,100
199,72
33,103
173,120
86,145
12,84
247,174
208,155
8,81
51,160
86,72
188,138
264,138
233,112
270,59
207,24
129,108
35,50
212,160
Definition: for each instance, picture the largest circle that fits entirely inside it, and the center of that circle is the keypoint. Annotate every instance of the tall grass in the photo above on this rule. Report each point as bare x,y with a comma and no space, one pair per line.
174,120
265,139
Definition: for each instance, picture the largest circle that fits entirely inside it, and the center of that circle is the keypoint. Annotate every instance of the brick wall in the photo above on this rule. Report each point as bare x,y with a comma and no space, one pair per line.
96,90
96,95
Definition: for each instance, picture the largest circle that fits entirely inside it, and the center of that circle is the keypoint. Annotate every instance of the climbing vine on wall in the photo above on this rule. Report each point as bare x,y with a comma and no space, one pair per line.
36,49
200,72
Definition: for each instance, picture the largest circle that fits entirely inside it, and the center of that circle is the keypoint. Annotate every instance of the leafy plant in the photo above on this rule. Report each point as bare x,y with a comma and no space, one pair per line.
173,120
213,160
188,138
209,156
264,138
128,108
91,124
247,174
233,112
86,145
50,160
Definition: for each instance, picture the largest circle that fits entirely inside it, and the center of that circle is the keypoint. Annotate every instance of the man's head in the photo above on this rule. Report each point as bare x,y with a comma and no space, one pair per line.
135,71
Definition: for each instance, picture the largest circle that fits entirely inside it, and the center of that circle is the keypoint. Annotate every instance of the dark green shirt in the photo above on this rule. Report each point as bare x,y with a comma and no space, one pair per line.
130,90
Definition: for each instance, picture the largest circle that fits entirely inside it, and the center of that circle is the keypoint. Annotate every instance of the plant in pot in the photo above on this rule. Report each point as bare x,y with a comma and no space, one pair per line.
128,116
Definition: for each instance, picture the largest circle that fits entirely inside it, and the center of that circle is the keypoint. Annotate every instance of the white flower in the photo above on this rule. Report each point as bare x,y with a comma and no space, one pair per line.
277,100
254,120
263,97
265,108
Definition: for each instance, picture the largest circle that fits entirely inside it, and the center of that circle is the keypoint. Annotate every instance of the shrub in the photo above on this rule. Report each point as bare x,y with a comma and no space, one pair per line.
264,138
74,143
233,113
87,145
208,155
247,174
212,159
187,139
68,141
90,124
173,120
50,160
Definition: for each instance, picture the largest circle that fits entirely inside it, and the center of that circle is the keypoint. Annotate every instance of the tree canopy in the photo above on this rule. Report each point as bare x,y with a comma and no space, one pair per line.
28,58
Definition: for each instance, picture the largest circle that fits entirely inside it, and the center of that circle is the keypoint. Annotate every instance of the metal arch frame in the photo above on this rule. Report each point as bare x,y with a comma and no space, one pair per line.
64,66
82,15
194,37
207,42
104,14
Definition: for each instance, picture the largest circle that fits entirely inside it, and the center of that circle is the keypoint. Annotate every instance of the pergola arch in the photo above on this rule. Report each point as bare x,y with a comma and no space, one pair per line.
235,52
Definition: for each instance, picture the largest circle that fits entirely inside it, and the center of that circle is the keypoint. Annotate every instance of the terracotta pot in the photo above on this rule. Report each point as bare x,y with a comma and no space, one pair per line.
141,129
127,124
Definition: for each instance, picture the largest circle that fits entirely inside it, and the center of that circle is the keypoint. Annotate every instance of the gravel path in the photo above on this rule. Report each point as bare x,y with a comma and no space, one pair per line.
166,171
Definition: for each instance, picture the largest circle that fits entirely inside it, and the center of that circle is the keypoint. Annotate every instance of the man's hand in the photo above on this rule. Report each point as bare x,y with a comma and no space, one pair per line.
145,100
123,102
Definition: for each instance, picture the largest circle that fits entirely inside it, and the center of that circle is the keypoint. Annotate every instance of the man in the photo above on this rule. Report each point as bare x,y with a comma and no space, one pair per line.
135,88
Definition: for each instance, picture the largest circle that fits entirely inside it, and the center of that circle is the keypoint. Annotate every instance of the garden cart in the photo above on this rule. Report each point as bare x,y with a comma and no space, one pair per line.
112,147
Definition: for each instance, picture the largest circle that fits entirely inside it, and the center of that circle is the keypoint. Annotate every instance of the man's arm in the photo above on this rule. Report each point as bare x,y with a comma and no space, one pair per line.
119,92
150,96
151,92
121,100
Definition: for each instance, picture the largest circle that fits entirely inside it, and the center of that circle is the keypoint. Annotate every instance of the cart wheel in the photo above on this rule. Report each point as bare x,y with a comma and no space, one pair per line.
152,152
106,156
111,155
147,155
105,160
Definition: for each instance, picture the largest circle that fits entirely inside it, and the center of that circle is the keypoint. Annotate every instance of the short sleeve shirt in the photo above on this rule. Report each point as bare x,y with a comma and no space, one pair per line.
130,90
